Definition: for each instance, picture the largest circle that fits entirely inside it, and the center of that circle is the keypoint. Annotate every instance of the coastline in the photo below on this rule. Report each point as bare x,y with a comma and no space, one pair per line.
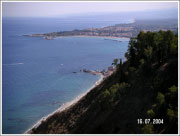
90,36
106,37
66,105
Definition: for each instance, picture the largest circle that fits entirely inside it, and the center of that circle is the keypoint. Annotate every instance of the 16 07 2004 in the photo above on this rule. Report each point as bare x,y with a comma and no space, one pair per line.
148,121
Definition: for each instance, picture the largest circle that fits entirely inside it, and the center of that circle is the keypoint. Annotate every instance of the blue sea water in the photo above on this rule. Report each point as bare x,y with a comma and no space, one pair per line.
37,74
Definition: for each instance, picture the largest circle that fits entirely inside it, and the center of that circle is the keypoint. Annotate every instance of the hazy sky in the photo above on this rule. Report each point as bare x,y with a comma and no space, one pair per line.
46,9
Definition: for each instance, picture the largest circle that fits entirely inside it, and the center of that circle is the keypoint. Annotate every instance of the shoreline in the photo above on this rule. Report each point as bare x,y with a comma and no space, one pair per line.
66,105
91,36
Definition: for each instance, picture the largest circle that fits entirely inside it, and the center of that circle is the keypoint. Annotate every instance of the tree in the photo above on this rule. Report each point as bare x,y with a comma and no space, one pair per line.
131,53
115,62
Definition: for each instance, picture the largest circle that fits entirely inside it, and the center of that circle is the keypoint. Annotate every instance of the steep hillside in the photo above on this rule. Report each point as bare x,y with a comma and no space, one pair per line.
140,97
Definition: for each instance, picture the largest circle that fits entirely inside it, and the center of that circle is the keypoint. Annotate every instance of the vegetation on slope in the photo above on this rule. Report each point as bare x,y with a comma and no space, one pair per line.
143,87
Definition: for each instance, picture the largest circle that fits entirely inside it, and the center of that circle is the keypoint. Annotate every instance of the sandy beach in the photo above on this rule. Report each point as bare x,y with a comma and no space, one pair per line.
66,105
104,37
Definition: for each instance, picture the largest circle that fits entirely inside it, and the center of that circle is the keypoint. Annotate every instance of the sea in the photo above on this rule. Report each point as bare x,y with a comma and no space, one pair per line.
39,76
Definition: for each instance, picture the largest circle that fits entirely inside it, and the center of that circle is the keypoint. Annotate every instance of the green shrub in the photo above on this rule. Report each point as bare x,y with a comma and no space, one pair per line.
148,129
160,98
150,113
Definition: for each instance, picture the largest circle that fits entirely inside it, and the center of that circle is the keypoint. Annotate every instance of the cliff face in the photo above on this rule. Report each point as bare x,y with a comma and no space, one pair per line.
144,87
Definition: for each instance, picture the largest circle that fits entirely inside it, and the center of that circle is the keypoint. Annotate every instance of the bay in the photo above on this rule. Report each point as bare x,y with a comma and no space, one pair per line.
39,75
